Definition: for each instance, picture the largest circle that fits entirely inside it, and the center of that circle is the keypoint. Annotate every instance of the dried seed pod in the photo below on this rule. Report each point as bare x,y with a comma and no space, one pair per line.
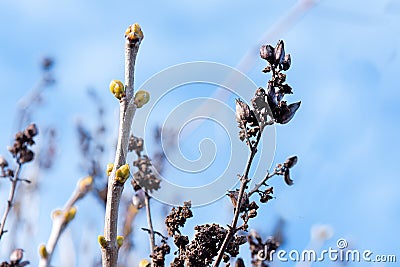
286,62
286,113
286,177
26,156
243,112
267,52
31,131
290,162
279,52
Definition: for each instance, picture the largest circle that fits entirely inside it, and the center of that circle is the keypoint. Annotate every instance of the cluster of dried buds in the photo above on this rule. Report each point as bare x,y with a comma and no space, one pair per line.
23,140
15,259
206,243
268,105
159,252
144,177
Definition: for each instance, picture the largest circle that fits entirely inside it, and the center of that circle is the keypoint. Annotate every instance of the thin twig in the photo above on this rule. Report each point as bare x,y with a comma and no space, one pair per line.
243,185
155,233
150,223
263,182
114,192
14,182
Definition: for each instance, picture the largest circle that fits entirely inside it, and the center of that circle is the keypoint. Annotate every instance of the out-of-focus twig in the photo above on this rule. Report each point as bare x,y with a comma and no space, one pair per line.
61,219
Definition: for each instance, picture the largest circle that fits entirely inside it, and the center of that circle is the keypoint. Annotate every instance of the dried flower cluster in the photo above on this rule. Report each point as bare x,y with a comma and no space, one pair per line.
268,108
177,218
144,177
278,62
205,244
23,140
159,252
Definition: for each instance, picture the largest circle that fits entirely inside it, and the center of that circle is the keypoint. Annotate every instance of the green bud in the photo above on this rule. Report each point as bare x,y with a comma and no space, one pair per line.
70,214
141,98
122,174
117,88
110,167
102,241
120,241
43,251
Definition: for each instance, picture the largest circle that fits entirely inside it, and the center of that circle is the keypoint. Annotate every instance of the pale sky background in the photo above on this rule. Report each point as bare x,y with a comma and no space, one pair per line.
345,58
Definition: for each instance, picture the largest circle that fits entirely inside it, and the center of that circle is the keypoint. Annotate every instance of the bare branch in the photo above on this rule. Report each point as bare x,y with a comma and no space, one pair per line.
150,223
133,36
243,185
14,182
61,219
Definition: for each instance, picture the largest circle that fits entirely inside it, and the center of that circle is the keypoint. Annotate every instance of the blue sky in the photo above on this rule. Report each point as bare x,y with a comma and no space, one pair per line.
345,58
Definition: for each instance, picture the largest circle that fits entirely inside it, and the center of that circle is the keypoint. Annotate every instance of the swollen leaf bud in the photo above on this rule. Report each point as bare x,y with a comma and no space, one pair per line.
43,251
120,241
102,241
56,214
70,214
110,167
122,174
85,184
134,33
117,88
144,263
141,98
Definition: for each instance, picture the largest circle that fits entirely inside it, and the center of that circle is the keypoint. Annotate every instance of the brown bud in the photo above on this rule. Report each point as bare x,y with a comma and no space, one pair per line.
267,53
31,130
279,52
26,156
